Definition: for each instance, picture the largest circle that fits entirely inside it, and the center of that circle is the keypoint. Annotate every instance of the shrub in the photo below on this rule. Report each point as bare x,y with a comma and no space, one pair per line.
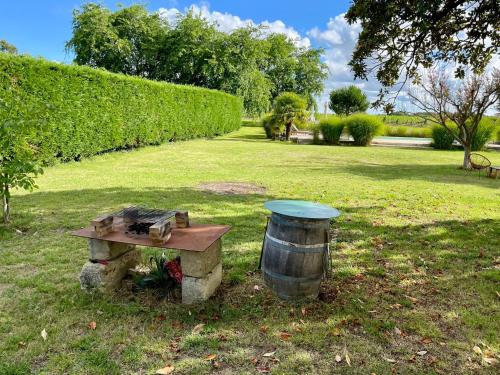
483,134
331,129
289,108
91,111
441,138
316,131
363,128
408,131
269,126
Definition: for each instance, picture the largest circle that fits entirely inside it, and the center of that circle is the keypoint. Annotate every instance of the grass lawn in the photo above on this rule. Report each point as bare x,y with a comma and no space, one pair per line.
415,284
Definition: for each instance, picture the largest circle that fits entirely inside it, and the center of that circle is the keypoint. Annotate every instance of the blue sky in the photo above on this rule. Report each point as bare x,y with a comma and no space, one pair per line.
41,28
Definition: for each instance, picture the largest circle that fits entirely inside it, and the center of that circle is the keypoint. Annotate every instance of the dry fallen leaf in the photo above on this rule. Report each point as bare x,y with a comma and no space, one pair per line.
285,336
270,354
490,360
336,332
347,358
263,329
390,360
92,325
422,352
198,328
477,350
263,369
413,299
426,340
338,358
165,370
210,357
44,334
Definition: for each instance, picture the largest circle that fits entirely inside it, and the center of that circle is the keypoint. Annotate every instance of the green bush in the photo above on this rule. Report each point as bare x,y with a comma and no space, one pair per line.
269,126
91,111
441,138
408,131
363,128
331,129
316,131
483,135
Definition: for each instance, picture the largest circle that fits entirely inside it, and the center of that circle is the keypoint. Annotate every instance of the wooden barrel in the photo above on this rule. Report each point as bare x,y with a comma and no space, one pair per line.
295,251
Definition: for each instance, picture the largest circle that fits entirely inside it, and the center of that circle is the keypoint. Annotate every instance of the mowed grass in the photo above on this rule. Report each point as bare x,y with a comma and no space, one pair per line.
415,282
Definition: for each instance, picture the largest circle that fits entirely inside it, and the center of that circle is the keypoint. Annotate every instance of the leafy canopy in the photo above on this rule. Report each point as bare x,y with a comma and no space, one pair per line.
399,36
347,100
7,47
290,107
193,51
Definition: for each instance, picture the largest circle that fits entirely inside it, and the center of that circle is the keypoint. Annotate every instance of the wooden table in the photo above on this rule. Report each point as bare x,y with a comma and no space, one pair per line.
493,171
113,254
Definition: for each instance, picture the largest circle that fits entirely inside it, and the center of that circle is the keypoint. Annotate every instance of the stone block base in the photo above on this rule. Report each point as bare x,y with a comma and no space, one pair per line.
200,263
106,277
107,250
198,289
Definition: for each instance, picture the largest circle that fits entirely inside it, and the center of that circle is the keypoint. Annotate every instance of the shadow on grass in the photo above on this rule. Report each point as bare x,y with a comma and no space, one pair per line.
437,173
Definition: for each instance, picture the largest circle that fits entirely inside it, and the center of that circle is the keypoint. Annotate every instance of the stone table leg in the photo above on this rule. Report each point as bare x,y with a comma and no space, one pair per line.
108,264
202,273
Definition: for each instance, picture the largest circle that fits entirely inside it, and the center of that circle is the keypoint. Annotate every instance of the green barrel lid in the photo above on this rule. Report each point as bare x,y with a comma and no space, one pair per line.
303,209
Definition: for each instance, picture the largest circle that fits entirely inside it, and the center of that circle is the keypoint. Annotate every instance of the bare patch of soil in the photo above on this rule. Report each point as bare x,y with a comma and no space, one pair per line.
232,188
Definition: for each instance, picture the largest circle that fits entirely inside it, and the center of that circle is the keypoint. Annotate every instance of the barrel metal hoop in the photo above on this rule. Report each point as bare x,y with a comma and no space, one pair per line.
295,247
299,223
291,278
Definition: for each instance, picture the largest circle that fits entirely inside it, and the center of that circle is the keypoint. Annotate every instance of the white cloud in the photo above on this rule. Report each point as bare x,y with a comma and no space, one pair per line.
227,22
338,40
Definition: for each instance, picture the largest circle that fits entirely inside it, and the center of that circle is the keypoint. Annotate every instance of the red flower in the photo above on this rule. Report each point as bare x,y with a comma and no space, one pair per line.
174,270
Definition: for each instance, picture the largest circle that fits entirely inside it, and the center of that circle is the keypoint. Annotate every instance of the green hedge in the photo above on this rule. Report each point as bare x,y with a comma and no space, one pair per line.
441,138
331,129
363,128
88,111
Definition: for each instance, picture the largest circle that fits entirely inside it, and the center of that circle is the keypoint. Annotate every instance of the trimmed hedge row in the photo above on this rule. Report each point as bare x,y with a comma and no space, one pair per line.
88,111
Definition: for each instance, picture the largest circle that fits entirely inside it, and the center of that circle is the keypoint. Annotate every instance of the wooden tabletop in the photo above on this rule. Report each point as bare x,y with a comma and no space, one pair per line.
197,237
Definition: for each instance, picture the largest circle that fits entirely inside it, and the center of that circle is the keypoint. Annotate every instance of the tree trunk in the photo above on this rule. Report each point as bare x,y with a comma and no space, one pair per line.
467,152
6,203
288,127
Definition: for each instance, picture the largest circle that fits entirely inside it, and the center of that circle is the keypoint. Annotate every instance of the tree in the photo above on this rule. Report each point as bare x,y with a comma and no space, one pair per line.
125,41
18,153
399,36
194,51
289,108
7,47
347,100
255,91
462,105
292,69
